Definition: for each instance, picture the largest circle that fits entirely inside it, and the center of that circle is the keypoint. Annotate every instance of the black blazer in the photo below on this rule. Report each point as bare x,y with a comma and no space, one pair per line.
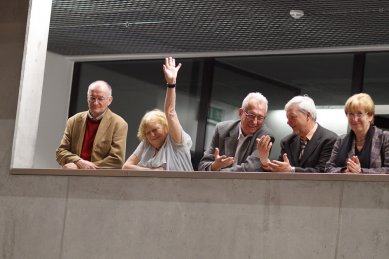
316,153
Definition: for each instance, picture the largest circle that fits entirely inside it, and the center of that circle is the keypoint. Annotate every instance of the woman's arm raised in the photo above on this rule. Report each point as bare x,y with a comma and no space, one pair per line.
170,71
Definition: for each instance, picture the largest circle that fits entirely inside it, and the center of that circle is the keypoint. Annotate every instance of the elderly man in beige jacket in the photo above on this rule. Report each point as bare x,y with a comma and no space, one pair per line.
95,138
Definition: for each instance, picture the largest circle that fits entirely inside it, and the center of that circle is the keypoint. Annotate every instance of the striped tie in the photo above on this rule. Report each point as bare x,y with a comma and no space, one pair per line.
303,144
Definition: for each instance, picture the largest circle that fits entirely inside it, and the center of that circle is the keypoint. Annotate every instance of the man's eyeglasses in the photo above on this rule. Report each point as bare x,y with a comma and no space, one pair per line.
356,114
99,99
252,117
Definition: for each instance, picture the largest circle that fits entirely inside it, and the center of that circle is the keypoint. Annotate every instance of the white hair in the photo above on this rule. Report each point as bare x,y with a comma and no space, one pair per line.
257,96
100,83
305,104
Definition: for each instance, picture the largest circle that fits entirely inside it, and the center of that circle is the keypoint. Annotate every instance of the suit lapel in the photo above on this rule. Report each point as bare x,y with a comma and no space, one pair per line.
231,141
80,131
104,124
295,150
376,146
311,146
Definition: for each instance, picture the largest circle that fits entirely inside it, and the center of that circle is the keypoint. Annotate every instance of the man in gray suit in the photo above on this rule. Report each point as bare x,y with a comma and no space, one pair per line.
307,149
233,147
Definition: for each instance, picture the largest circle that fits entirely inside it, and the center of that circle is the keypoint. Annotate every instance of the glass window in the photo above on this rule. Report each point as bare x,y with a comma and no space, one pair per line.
325,78
376,83
139,86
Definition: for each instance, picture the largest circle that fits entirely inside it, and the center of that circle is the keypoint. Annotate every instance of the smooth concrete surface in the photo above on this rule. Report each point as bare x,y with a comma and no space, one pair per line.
208,218
31,209
205,174
364,232
53,109
70,217
31,83
12,29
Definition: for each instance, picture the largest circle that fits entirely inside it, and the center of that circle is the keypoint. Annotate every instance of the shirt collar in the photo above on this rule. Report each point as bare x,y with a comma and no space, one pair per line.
241,135
311,132
97,118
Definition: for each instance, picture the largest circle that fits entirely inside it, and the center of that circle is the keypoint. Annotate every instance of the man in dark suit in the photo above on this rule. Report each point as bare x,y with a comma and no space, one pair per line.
233,147
307,149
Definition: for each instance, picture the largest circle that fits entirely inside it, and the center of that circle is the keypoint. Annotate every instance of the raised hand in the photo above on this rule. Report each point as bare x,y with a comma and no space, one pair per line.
264,145
170,70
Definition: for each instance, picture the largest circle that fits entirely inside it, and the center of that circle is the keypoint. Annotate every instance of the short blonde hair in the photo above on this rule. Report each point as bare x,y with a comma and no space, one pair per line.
150,118
361,100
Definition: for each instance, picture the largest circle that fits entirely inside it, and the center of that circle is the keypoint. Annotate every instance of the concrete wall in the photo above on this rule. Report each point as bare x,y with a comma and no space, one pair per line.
54,109
139,217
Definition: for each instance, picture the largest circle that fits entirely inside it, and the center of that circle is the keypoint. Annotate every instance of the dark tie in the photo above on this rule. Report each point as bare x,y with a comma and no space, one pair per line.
242,150
303,144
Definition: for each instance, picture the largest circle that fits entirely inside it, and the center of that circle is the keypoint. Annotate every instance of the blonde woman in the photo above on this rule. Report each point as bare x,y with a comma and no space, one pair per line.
365,149
164,144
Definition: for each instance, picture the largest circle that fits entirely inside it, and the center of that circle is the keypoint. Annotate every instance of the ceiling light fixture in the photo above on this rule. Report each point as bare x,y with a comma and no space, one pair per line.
296,14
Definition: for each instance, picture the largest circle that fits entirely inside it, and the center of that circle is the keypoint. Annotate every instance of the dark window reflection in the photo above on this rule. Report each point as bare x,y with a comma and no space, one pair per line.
377,77
139,86
325,78
376,84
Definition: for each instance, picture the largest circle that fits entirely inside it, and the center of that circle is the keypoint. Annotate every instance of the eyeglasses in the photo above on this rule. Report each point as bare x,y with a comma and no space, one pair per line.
99,99
356,114
252,117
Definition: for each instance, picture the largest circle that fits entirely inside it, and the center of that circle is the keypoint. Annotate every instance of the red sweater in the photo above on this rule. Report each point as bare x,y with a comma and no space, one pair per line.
89,137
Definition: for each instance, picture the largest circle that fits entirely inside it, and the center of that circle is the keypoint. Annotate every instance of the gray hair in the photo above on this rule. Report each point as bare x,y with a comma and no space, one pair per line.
257,96
100,83
305,104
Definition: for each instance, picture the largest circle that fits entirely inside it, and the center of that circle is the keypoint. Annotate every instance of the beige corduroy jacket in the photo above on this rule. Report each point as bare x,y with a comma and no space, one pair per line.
109,146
